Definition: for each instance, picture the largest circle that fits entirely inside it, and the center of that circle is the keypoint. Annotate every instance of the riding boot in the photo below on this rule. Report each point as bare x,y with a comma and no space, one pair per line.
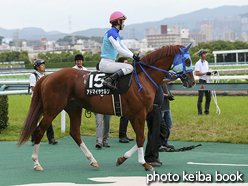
108,82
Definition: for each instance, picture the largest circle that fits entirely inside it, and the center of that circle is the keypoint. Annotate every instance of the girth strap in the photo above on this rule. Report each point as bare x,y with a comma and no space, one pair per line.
116,98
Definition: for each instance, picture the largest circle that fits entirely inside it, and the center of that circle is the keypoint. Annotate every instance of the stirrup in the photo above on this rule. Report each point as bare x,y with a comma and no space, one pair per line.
109,85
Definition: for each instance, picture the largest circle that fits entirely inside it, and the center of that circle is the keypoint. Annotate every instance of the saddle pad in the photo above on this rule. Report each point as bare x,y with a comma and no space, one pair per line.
95,86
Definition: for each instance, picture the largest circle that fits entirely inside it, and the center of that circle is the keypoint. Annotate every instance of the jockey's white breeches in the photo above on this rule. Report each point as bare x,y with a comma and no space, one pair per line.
110,66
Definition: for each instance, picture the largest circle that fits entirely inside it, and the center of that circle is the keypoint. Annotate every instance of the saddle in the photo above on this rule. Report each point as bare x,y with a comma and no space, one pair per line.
95,87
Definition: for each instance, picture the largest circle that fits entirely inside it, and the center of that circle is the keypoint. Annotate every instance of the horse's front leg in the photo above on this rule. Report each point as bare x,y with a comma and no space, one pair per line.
75,114
138,124
88,155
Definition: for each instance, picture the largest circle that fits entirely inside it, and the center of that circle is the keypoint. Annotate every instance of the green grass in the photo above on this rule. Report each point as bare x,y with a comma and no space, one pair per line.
230,126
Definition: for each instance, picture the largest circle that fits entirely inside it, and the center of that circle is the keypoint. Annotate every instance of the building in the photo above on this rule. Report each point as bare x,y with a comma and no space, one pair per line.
131,44
166,38
75,47
152,31
197,37
244,37
7,40
4,47
164,29
43,41
174,29
51,45
90,46
231,56
206,29
144,46
230,36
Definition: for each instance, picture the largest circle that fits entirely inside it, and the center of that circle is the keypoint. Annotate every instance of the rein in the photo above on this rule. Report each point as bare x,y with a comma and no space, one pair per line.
175,75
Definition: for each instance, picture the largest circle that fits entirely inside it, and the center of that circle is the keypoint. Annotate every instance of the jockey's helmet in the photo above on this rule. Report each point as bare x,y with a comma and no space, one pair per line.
202,51
37,63
117,16
79,57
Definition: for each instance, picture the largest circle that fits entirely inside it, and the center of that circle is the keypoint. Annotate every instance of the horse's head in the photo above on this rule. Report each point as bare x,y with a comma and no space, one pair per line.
182,65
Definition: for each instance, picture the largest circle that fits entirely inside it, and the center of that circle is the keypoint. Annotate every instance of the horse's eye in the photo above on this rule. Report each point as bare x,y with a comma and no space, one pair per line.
187,62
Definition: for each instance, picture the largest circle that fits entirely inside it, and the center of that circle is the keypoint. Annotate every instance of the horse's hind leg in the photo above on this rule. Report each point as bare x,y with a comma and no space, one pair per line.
40,130
75,114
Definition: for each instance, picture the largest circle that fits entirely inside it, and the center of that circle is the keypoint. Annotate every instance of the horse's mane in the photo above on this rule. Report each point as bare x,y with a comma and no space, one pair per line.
165,51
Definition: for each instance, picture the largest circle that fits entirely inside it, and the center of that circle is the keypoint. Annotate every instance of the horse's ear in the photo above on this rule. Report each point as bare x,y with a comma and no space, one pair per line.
186,49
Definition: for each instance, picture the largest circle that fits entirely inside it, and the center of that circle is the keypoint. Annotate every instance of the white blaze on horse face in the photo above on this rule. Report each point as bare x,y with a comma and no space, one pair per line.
87,152
141,156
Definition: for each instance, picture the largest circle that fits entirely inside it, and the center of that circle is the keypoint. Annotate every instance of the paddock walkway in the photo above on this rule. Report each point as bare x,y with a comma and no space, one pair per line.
65,164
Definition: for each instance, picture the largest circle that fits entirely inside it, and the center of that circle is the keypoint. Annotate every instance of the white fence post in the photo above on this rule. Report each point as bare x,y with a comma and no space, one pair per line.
63,121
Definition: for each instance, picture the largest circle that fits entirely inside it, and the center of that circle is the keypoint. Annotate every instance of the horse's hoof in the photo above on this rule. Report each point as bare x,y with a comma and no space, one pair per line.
118,161
95,164
149,168
38,168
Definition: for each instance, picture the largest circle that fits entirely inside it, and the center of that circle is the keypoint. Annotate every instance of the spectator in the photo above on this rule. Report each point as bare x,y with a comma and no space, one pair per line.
39,66
123,120
201,70
79,59
102,130
102,127
166,114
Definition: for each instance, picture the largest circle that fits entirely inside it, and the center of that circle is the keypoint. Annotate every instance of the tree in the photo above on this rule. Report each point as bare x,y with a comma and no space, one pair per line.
24,57
55,58
96,57
87,56
14,56
4,56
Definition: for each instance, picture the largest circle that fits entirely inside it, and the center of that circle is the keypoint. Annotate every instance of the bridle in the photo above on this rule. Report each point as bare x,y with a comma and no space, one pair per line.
179,61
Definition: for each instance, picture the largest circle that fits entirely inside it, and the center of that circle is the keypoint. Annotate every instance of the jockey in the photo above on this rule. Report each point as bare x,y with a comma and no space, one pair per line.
112,45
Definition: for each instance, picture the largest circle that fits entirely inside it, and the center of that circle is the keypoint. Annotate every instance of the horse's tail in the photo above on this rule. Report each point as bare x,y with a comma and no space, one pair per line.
34,114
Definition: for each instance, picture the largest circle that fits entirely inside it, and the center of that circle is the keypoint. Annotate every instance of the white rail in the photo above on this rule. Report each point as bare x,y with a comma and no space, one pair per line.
226,77
13,92
2,82
63,115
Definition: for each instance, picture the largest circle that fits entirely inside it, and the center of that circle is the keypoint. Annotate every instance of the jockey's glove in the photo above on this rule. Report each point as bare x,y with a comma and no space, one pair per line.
136,58
208,73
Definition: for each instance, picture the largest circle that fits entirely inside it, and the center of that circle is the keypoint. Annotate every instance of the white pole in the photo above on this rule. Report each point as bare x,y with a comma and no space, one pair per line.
13,92
63,121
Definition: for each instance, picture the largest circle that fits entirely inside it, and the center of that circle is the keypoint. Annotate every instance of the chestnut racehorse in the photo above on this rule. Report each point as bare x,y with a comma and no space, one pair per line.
66,89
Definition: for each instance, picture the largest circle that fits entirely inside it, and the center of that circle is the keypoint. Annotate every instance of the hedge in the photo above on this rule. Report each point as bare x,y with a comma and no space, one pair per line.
4,119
